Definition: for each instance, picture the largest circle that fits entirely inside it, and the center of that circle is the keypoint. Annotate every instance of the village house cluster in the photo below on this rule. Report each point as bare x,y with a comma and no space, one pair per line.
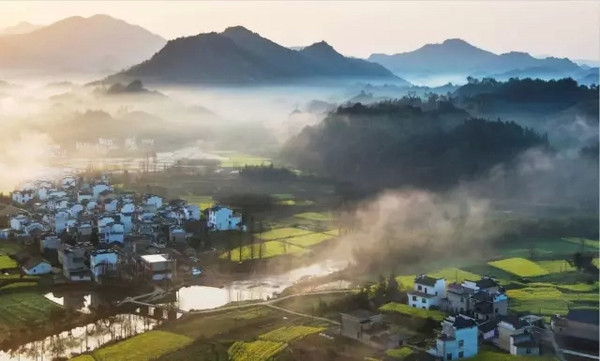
477,313
87,231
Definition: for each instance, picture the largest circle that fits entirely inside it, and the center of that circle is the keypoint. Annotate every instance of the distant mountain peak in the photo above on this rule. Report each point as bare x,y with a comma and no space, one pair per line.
238,29
321,46
21,28
455,42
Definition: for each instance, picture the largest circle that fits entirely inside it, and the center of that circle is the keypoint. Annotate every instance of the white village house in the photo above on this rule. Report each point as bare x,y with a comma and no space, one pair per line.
458,339
224,219
427,292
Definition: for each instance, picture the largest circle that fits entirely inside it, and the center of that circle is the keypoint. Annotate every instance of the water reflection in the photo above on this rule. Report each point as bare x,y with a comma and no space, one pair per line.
80,339
257,288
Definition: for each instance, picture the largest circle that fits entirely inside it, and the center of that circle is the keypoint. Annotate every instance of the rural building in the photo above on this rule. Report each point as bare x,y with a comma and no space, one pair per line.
368,327
49,242
37,266
73,261
22,196
524,344
427,292
458,338
488,306
103,262
157,267
177,234
514,325
224,219
581,324
152,200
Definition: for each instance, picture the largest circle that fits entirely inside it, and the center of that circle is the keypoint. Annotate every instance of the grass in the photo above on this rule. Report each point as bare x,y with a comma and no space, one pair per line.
556,266
143,347
7,263
314,216
519,266
199,350
545,247
235,159
255,351
491,354
412,311
201,201
269,249
82,358
450,274
18,309
547,299
280,233
308,240
399,353
289,334
592,243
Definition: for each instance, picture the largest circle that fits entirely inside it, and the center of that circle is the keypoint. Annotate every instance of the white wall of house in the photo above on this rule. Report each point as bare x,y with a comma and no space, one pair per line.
111,206
99,188
114,233
194,212
101,262
459,343
18,222
39,269
75,209
60,221
425,296
84,196
223,219
126,219
22,197
128,208
154,201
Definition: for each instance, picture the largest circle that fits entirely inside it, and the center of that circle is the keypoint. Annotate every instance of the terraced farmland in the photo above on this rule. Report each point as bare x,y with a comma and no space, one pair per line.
289,334
519,266
143,347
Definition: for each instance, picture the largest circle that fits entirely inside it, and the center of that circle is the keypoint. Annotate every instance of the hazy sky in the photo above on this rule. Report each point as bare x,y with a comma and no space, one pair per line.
558,28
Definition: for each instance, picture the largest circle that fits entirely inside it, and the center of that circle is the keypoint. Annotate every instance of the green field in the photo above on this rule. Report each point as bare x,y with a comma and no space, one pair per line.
255,351
82,358
7,262
289,334
314,216
269,249
401,308
280,233
201,201
399,353
544,247
18,309
556,266
592,243
309,240
547,299
144,347
492,354
519,266
235,159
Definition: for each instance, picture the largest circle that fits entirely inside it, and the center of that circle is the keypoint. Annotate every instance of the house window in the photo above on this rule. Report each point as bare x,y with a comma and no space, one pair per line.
462,300
496,310
528,351
424,300
449,356
461,343
415,306
419,287
461,354
414,298
436,293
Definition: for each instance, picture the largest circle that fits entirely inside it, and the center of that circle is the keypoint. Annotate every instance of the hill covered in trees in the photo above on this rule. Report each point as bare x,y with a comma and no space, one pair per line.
407,142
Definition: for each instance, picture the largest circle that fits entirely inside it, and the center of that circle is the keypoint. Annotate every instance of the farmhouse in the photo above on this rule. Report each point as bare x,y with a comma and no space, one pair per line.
36,266
458,338
157,267
223,219
103,262
513,325
428,291
580,324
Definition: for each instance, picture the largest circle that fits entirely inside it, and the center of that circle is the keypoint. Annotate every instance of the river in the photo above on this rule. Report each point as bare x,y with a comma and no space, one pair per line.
94,335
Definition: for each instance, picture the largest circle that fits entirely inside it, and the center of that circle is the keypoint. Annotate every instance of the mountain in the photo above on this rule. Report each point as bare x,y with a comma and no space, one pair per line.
95,44
238,55
456,56
21,28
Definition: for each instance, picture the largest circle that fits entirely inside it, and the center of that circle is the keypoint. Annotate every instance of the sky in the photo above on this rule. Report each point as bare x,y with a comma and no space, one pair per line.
355,28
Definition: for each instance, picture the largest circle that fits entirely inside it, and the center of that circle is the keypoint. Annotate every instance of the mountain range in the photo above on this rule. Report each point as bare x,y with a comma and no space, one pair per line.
98,43
21,28
238,55
456,56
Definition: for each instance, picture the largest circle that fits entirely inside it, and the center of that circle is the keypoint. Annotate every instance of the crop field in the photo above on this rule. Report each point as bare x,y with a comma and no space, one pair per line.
255,351
7,262
585,241
199,350
554,247
289,334
412,311
547,299
556,266
519,266
20,308
269,249
82,358
399,353
492,354
450,274
308,240
235,159
143,347
201,201
314,216
280,233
